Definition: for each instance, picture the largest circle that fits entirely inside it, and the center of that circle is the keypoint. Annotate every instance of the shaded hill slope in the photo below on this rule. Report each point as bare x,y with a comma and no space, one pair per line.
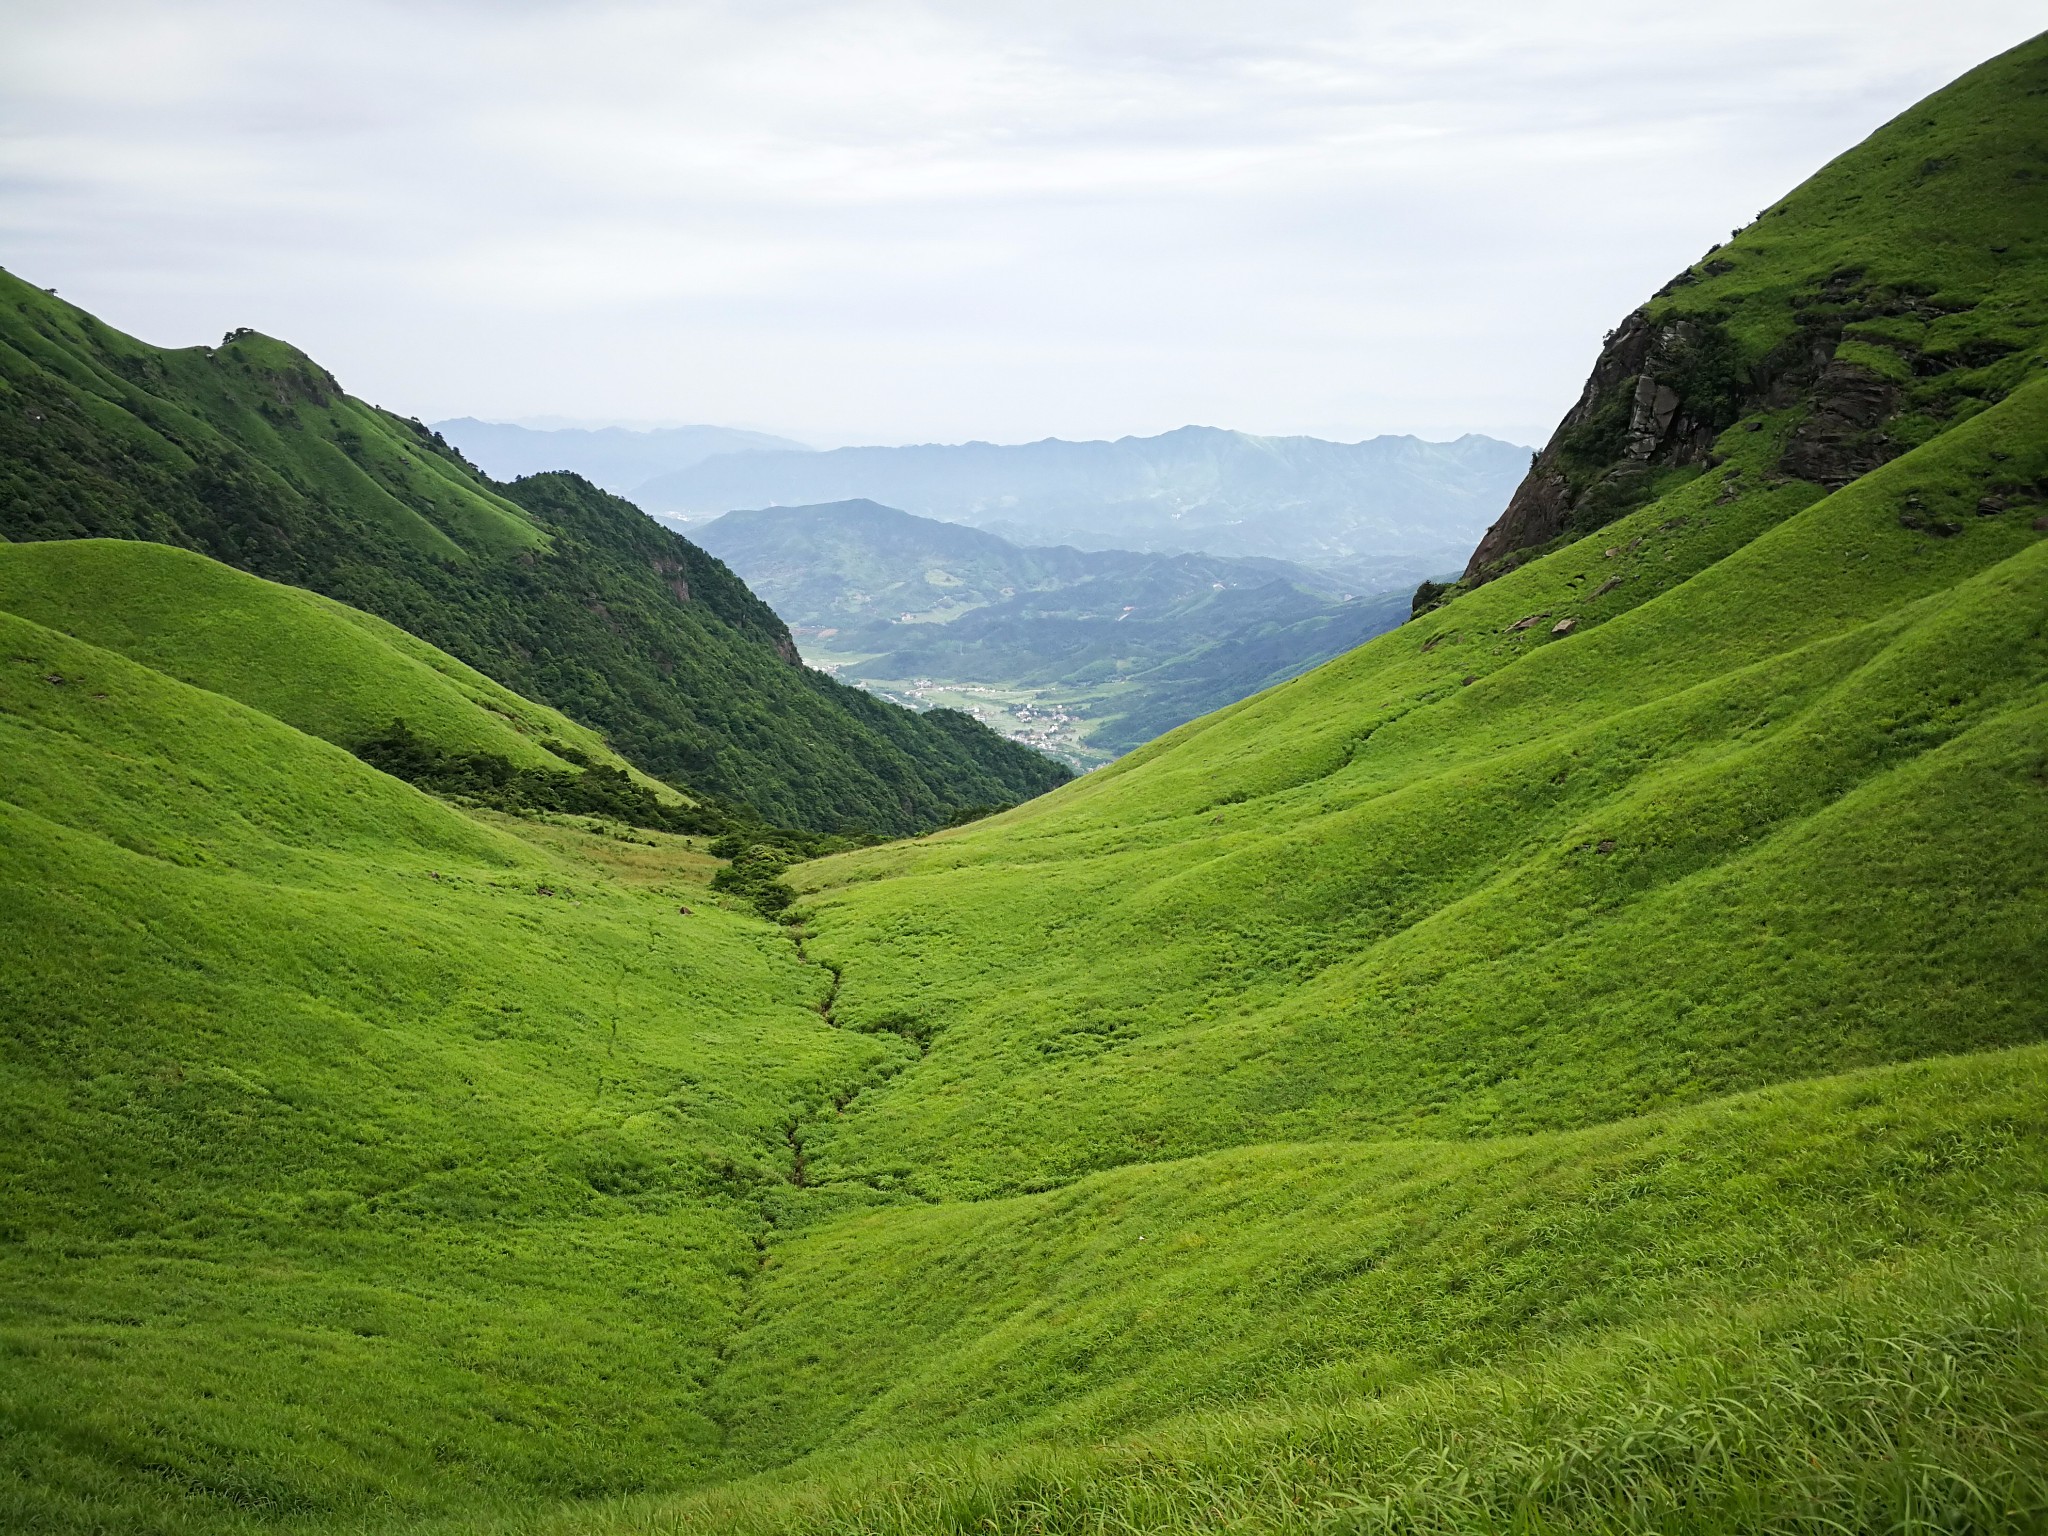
251,453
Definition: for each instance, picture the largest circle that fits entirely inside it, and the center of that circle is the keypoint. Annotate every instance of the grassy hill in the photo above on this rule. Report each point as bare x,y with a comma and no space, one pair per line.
1744,789
251,453
307,660
1578,1062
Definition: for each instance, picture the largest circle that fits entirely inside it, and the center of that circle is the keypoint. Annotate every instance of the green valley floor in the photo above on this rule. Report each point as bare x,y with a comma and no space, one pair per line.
1575,1063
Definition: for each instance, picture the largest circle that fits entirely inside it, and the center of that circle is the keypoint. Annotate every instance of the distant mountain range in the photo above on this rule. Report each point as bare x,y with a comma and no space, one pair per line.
617,458
1398,505
1086,653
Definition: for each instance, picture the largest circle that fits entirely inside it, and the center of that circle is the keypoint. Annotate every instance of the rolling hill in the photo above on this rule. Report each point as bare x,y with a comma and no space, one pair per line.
1386,510
1576,1062
251,453
1086,654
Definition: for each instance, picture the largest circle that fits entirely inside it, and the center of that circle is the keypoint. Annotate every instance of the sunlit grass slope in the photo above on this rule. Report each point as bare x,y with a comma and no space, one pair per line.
1742,787
1910,1401
328,669
358,1156
1785,816
1322,1271
1525,1074
1576,1063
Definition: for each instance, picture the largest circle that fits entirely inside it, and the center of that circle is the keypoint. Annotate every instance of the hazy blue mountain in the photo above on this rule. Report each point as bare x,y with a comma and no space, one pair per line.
1414,506
616,458
1086,653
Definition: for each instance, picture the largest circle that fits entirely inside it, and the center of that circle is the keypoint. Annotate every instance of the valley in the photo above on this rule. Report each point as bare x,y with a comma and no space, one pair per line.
494,1043
1054,722
1084,654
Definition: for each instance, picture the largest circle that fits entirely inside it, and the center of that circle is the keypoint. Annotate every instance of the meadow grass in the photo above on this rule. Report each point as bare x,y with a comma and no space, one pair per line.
1781,817
307,660
1576,1063
1333,1269
1909,1402
360,1156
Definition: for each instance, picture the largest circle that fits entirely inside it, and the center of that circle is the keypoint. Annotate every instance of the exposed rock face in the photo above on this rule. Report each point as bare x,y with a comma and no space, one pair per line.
671,571
1840,440
1662,391
1642,371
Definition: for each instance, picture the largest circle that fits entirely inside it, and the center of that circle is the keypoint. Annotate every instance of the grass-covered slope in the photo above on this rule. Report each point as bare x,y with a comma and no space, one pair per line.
1576,1063
1314,1272
1742,787
1782,817
359,1155
1908,1401
313,663
1651,923
251,453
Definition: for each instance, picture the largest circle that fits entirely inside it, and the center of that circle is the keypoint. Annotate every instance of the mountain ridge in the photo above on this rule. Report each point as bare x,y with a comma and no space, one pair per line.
616,459
1413,504
251,452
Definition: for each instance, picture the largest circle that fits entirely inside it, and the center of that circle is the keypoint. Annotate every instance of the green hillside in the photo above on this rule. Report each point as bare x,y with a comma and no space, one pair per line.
1575,1063
311,662
251,453
364,1155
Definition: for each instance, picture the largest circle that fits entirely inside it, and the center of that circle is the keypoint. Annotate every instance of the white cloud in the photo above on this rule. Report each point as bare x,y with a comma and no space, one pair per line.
884,220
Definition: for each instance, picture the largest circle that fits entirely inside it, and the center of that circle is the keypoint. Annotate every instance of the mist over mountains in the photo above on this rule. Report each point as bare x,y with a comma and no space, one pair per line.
1388,510
1413,504
615,458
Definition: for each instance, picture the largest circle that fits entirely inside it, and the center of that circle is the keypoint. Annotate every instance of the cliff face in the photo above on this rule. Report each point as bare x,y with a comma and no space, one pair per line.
1664,389
1896,293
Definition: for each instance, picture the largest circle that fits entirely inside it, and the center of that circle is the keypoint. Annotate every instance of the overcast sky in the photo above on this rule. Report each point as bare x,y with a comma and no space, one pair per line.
889,222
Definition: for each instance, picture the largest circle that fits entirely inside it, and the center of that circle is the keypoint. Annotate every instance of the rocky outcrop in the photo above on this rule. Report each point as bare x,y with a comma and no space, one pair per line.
1635,413
671,573
1840,440
1663,390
